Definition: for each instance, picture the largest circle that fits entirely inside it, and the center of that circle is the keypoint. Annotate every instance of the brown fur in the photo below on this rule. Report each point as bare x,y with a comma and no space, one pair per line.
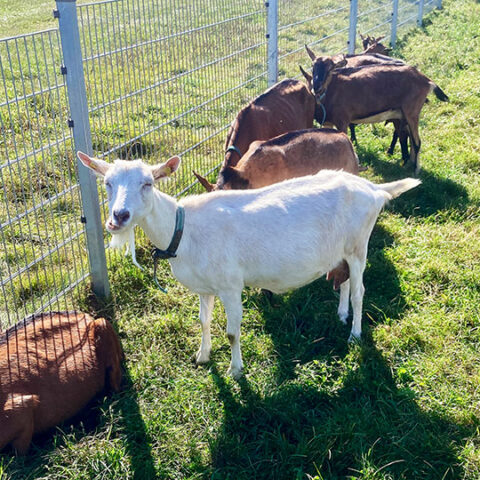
51,366
288,105
373,45
350,95
291,155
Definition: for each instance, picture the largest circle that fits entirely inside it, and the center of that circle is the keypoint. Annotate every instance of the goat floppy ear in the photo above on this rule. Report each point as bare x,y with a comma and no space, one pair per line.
165,169
310,53
98,166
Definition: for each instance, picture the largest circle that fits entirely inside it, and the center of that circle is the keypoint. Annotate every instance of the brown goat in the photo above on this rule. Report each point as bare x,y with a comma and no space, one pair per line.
286,106
51,366
360,60
372,94
373,45
293,154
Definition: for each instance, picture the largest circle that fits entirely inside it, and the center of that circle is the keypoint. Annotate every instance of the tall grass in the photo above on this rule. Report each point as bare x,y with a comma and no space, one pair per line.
402,404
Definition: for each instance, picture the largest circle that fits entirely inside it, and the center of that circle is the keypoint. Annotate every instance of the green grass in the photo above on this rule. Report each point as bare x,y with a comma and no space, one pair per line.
402,404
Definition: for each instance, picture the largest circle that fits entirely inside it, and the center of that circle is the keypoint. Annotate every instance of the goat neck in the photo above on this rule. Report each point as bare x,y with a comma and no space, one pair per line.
159,224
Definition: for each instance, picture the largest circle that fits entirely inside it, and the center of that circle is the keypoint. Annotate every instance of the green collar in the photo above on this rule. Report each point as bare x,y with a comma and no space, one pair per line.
233,148
171,251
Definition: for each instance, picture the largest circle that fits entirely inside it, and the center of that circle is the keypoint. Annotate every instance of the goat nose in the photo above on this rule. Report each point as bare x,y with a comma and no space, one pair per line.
121,216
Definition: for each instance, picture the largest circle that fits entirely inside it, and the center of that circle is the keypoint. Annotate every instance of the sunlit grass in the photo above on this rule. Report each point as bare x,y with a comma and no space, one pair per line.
403,404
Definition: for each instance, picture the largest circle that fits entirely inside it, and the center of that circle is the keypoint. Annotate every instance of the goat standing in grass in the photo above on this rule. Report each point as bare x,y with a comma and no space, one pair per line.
372,94
278,237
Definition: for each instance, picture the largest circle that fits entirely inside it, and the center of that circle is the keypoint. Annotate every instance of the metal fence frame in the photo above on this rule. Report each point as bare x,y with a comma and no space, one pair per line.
95,43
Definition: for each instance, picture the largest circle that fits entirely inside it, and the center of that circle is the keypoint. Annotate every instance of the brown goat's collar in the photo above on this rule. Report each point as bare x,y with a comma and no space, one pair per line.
233,148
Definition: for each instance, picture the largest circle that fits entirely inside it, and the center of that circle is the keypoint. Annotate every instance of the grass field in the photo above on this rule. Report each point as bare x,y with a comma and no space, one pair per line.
402,404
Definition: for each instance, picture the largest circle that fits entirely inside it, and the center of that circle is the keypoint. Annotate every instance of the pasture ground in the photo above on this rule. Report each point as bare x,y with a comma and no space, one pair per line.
402,404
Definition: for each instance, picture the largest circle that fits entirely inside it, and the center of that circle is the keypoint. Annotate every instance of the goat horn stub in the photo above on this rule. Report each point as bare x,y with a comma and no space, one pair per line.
205,183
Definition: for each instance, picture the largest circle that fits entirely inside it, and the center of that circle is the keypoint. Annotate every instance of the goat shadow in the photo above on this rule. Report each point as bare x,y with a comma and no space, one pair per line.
436,194
304,324
300,431
89,421
137,440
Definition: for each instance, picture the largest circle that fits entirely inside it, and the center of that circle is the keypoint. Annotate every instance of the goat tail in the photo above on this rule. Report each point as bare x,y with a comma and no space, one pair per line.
395,189
439,93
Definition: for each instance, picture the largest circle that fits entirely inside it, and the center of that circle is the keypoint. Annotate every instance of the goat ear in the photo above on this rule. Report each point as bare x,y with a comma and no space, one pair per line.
98,166
378,39
204,182
165,169
310,53
362,37
341,62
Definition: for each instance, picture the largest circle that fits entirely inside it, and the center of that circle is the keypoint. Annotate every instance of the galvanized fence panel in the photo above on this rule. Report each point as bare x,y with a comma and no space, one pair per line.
162,77
323,26
43,255
375,20
167,78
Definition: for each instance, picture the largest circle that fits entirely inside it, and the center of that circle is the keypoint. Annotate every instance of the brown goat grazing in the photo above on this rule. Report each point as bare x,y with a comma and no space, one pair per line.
286,106
51,366
372,94
293,154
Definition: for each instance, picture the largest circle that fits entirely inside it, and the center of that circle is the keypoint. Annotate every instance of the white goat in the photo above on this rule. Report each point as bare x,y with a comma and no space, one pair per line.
278,237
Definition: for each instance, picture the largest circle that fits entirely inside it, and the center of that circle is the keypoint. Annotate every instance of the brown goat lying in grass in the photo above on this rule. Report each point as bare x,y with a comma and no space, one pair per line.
51,366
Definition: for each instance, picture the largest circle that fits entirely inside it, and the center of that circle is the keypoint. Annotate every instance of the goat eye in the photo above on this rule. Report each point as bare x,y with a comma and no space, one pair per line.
146,186
108,184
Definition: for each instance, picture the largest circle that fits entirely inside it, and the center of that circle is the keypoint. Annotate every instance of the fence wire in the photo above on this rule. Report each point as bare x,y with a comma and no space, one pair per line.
162,78
167,78
42,239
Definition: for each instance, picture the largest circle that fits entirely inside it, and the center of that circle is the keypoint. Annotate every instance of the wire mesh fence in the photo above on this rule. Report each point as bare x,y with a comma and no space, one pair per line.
42,239
162,77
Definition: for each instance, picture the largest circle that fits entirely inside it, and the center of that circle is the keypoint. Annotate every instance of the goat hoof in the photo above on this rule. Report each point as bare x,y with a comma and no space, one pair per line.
202,358
235,373
354,339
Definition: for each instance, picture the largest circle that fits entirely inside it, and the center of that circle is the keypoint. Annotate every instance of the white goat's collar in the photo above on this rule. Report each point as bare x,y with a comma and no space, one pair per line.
171,251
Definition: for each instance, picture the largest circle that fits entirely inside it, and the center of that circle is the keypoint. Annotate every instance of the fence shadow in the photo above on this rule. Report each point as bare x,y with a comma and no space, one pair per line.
138,442
367,425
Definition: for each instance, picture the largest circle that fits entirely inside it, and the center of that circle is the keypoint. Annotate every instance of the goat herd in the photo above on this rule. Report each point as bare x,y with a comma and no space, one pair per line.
288,207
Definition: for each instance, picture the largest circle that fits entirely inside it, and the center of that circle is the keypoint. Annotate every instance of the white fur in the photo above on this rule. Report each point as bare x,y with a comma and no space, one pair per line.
278,238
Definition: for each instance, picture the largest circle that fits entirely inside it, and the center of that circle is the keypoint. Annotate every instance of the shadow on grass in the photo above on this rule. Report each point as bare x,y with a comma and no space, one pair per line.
137,441
304,324
434,195
349,424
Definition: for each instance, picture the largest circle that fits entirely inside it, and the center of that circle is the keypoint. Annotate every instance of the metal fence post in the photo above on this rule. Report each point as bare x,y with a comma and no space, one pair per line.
393,34
272,38
73,70
420,13
352,29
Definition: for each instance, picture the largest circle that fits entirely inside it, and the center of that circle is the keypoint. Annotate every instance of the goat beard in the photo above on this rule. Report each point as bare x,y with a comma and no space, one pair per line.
118,240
